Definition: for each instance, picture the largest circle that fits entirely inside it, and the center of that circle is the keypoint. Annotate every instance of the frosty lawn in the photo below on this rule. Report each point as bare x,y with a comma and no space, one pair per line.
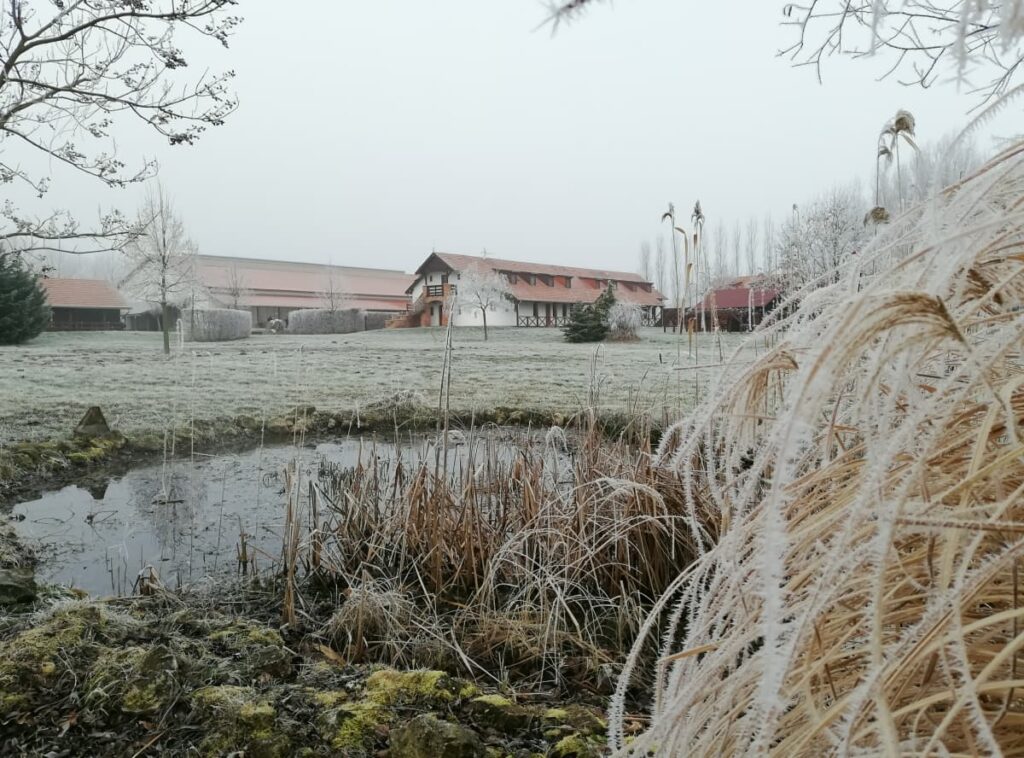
48,384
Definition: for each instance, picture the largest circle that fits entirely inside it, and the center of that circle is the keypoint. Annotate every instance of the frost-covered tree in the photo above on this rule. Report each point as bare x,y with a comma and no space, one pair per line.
660,278
237,288
644,261
24,312
820,237
162,258
934,166
624,321
737,249
721,241
482,289
333,295
768,243
750,246
74,69
926,40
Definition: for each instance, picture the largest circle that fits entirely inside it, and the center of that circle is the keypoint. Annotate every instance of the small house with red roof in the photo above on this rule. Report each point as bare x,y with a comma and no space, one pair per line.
84,305
736,305
539,294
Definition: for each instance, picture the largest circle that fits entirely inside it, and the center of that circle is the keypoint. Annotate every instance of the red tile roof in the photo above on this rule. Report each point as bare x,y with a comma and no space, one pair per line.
460,262
288,284
557,292
83,293
740,297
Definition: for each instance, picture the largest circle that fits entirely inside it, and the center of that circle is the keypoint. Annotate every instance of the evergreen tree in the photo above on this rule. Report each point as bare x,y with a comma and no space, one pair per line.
589,323
24,312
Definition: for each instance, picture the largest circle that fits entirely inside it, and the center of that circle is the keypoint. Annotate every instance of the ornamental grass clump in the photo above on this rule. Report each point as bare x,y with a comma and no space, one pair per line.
624,322
215,325
863,593
325,321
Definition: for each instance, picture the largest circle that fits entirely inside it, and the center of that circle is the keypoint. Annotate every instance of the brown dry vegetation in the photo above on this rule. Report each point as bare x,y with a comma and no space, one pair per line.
867,476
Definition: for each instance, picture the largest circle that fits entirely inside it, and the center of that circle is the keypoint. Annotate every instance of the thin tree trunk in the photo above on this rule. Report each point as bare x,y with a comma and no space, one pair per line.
165,316
484,311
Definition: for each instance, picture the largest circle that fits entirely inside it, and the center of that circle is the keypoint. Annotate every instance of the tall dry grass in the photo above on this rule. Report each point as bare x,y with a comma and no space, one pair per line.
532,560
864,593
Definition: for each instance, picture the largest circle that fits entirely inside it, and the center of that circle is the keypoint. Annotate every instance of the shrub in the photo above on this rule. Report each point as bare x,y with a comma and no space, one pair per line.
589,323
624,322
322,321
215,325
24,312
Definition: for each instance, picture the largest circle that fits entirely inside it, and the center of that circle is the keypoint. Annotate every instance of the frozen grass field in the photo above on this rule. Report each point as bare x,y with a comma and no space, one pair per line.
46,385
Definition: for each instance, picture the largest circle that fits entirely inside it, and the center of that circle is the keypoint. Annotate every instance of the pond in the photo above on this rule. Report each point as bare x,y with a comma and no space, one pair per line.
185,521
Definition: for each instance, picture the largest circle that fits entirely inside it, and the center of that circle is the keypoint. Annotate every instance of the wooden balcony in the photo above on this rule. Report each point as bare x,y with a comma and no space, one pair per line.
435,293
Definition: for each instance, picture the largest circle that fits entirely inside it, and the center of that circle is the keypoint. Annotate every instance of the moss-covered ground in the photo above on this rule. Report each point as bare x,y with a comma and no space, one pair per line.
163,676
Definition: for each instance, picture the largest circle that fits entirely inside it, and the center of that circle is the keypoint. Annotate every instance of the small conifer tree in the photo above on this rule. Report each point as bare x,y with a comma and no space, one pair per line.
24,312
589,323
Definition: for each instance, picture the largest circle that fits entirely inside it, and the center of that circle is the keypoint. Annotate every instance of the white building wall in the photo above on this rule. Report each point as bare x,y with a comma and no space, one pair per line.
504,315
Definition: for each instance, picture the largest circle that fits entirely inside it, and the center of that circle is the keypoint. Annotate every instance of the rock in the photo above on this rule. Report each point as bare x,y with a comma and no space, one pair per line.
93,424
502,714
17,585
427,736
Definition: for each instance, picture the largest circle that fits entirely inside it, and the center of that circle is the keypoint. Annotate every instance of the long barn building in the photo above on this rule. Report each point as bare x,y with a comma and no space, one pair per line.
539,294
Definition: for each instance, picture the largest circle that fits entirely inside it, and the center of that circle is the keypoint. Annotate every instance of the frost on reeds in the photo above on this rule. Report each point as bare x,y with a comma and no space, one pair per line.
535,565
865,594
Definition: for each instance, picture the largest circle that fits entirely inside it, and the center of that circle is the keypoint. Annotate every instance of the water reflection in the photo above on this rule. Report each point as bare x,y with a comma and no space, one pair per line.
189,519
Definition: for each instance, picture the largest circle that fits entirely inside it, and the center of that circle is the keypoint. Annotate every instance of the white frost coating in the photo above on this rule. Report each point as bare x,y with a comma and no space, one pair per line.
215,325
850,472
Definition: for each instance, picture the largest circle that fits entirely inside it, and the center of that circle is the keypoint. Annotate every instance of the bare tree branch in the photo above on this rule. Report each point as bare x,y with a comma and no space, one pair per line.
71,70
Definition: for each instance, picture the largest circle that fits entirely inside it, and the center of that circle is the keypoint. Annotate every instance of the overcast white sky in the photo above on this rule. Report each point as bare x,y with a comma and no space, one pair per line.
370,132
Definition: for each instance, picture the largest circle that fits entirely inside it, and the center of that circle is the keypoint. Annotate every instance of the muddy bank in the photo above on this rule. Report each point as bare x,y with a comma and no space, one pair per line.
29,468
176,675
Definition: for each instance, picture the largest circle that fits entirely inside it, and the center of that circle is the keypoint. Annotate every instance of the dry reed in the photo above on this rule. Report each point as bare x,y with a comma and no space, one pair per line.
863,595
534,560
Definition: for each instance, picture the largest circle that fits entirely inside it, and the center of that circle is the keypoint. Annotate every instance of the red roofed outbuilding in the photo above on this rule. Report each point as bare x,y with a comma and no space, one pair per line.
84,304
738,304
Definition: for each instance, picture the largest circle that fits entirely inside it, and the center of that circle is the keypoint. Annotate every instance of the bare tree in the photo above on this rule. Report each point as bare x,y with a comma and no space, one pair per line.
71,69
645,261
737,248
721,240
926,38
333,295
751,245
237,288
162,258
768,244
482,289
660,266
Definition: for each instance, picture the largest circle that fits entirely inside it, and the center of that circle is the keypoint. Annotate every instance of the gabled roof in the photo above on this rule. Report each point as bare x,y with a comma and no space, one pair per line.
83,293
740,297
458,262
557,293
